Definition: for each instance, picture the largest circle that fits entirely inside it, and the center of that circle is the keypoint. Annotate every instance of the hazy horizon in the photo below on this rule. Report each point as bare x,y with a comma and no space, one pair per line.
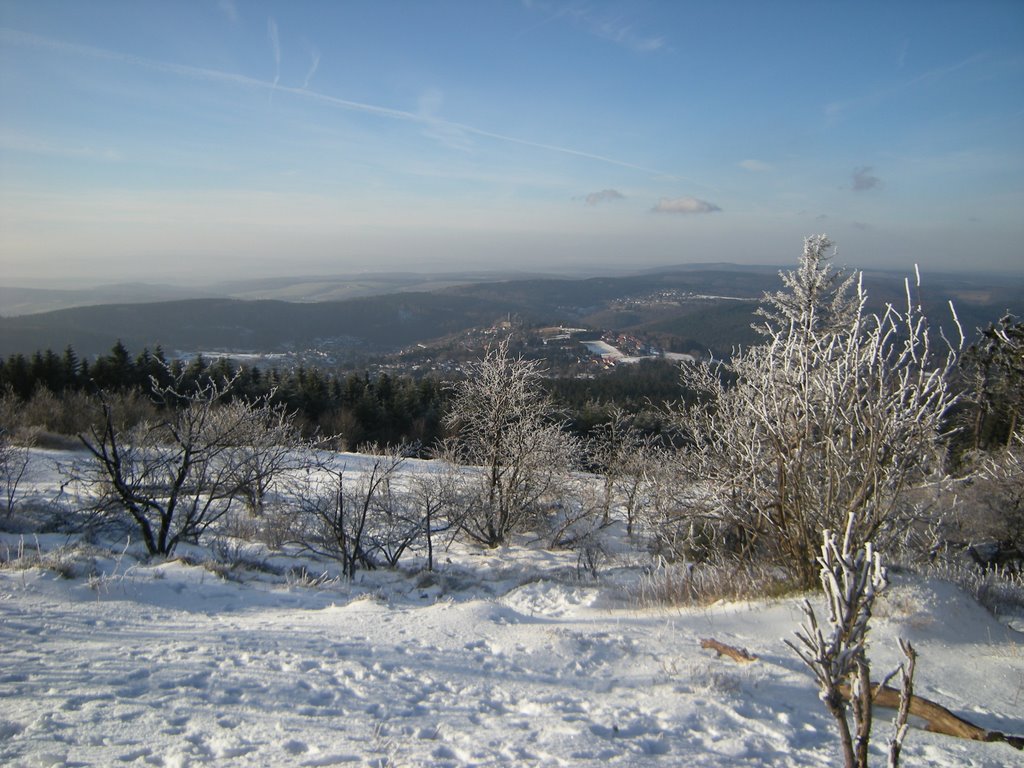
198,283
174,143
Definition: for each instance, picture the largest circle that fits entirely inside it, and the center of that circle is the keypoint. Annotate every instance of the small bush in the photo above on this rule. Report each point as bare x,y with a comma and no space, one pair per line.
232,557
999,590
71,561
301,576
679,585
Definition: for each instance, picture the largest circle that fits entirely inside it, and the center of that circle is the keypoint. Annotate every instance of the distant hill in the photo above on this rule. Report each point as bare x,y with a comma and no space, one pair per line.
26,301
689,311
381,323
304,288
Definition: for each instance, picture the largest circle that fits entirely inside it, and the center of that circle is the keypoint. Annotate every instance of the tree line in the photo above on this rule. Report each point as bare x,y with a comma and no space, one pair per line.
363,408
381,409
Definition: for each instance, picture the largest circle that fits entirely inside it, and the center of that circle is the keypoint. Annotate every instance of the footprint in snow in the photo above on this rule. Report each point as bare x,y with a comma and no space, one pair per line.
295,747
226,748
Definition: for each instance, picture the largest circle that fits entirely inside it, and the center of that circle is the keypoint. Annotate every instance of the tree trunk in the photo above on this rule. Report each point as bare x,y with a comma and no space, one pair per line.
938,719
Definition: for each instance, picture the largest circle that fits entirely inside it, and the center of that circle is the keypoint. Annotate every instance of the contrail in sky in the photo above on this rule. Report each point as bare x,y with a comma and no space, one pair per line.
275,46
312,69
17,37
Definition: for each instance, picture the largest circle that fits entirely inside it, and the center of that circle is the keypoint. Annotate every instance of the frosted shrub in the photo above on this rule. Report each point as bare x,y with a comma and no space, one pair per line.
836,651
706,583
625,457
997,494
345,515
506,425
999,590
834,417
14,461
178,474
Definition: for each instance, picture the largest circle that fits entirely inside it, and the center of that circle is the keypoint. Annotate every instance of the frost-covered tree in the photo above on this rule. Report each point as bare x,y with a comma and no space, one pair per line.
624,456
180,473
506,424
816,299
995,368
14,461
437,495
836,651
833,417
268,444
350,515
994,502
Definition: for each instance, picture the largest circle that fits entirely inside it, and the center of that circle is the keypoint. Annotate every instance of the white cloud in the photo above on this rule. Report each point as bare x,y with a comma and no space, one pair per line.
754,165
684,205
604,196
430,102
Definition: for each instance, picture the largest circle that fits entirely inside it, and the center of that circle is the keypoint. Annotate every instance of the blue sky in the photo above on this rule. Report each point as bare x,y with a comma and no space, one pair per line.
202,139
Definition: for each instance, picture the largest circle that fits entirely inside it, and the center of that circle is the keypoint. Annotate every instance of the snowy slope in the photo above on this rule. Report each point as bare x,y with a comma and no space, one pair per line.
502,658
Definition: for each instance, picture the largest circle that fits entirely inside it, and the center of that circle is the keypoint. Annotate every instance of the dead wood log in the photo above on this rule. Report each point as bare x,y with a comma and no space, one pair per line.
742,655
937,718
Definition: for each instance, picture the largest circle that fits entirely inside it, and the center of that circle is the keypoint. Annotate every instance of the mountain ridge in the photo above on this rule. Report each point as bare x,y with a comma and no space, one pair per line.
684,303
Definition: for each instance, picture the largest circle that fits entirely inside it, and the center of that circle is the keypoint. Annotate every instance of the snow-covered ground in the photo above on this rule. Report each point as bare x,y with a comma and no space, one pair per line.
503,657
603,349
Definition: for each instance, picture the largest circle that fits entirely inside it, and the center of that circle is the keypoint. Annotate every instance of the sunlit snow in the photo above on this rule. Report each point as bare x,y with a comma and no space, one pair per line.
505,657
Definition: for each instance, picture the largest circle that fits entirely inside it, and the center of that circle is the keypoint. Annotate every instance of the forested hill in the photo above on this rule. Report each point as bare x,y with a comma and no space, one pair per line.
381,322
710,307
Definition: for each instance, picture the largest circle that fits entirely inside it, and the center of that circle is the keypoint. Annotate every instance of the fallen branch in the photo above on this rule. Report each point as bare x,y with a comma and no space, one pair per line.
742,655
938,719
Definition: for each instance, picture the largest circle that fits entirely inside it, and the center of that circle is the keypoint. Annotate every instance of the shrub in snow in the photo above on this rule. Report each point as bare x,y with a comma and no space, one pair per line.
339,513
837,652
436,496
994,501
70,413
669,583
505,424
625,457
372,513
832,418
396,523
332,512
177,475
14,461
994,367
999,590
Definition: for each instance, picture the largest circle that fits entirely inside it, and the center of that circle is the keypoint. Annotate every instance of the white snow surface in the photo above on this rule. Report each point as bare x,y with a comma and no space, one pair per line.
504,657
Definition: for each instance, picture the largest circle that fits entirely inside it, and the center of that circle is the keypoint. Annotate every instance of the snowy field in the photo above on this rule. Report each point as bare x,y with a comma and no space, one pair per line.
499,658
